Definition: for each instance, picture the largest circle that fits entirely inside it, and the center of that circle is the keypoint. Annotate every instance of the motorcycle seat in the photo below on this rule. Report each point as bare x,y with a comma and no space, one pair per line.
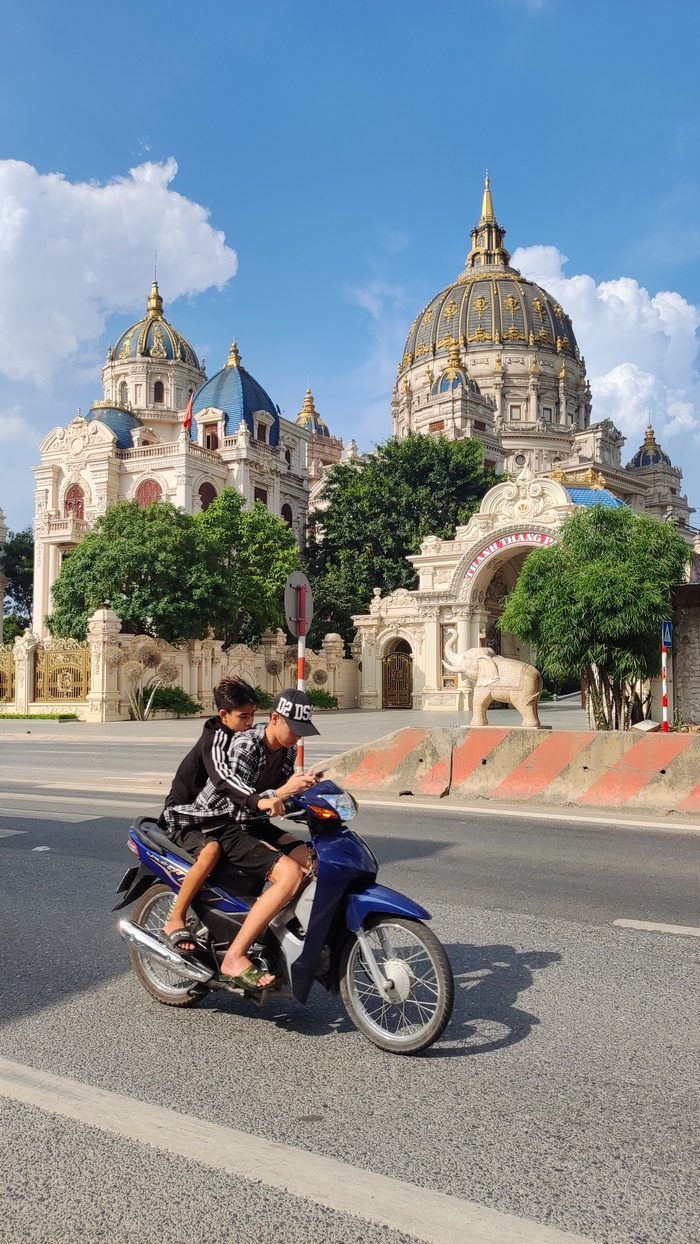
151,835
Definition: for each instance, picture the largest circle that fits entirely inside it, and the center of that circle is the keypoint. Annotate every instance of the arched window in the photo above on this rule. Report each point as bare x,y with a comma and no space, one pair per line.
286,513
288,457
148,491
211,438
124,393
75,502
159,391
207,492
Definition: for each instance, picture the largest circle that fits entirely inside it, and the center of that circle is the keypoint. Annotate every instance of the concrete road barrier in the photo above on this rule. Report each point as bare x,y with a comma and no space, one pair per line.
580,768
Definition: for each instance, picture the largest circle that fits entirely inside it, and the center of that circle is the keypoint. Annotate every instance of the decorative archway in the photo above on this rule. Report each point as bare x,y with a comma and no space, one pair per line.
397,674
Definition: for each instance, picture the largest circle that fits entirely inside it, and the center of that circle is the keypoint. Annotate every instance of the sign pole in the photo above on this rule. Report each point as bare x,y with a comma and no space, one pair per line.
301,662
664,690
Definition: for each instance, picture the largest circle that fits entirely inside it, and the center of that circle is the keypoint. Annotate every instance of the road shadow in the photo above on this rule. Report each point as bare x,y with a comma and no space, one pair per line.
488,982
391,850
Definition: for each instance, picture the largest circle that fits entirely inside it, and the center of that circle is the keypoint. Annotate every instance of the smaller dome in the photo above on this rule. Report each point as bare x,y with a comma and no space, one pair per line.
153,337
309,417
454,376
234,391
120,421
650,454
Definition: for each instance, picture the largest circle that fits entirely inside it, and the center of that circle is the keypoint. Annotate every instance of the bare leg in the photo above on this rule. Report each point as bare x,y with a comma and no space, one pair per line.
193,882
286,877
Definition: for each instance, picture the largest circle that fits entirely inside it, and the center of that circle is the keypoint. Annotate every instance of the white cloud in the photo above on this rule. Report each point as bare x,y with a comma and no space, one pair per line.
13,426
71,254
640,349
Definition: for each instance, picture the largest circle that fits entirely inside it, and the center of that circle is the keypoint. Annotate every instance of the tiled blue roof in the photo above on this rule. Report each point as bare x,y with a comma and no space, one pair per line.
594,496
234,391
121,423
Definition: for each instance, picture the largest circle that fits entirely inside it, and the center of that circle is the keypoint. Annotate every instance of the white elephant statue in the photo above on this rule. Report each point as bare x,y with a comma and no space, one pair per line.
497,678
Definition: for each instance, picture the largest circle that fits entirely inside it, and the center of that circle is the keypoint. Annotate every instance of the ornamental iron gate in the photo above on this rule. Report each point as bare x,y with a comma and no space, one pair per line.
398,680
7,673
62,670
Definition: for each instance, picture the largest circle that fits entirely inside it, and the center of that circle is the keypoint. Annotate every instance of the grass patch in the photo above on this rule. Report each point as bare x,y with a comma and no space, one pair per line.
38,716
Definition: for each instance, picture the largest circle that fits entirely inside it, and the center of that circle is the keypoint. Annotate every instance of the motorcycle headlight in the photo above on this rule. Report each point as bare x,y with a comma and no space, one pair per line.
342,804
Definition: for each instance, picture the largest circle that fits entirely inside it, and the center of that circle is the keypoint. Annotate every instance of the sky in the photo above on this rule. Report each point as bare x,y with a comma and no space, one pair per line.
309,173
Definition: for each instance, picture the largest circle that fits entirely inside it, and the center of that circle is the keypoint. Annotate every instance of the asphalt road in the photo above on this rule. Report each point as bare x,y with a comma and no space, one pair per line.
564,1092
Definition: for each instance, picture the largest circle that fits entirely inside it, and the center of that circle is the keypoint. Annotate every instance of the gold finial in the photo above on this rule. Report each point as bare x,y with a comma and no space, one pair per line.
454,362
308,407
234,358
533,366
649,438
486,202
155,303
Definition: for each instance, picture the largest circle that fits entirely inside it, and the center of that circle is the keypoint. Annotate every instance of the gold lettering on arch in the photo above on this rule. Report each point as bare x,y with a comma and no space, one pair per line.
519,537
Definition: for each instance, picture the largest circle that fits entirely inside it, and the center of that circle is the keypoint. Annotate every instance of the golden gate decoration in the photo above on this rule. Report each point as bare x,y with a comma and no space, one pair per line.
7,673
61,670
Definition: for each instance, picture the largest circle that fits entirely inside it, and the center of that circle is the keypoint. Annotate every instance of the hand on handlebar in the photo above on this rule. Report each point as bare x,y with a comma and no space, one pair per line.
273,807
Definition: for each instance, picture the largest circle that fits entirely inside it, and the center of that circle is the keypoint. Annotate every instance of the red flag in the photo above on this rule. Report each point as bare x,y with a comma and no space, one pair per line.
187,421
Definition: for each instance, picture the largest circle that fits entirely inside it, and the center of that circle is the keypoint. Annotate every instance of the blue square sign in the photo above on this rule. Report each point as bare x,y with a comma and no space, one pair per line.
667,634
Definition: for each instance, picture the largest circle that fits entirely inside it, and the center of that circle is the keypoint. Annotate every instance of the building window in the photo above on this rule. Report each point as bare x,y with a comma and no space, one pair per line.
569,418
148,491
207,492
286,513
437,425
261,433
211,438
479,425
515,412
489,464
260,494
288,457
520,459
124,393
159,391
547,414
74,504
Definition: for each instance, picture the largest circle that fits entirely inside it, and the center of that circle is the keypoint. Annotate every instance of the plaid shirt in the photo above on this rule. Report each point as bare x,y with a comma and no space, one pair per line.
235,765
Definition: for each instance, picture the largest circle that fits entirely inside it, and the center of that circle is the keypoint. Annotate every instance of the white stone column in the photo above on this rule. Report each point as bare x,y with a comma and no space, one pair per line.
433,656
23,653
104,698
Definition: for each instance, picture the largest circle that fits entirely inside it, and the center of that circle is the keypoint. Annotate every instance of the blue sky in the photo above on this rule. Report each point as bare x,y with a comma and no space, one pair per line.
340,148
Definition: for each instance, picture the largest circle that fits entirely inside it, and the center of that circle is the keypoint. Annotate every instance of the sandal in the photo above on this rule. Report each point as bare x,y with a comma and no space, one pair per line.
249,980
177,937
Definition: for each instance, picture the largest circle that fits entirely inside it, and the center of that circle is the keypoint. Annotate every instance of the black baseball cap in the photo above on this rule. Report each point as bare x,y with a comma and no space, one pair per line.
296,708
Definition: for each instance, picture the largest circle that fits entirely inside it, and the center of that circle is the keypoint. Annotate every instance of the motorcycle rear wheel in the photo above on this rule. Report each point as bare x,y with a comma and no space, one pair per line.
151,912
423,994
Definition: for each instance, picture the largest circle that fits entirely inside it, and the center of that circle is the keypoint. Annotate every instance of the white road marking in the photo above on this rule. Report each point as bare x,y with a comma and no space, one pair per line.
431,1216
41,848
650,926
42,814
10,833
53,799
411,804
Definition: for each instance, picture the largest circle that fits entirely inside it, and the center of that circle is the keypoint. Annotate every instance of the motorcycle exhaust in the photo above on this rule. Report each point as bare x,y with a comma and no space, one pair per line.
150,945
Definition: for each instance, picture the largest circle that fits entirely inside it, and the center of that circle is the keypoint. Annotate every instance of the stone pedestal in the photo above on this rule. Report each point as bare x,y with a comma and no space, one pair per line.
104,702
23,653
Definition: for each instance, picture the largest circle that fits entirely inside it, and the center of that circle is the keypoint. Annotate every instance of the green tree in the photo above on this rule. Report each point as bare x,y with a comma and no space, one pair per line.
254,551
17,564
174,576
378,513
592,605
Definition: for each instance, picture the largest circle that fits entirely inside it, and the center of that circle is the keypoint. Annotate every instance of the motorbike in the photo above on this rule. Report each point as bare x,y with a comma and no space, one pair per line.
343,930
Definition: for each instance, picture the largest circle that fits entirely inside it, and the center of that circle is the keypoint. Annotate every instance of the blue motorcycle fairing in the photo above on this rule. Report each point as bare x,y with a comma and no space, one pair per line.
171,871
379,898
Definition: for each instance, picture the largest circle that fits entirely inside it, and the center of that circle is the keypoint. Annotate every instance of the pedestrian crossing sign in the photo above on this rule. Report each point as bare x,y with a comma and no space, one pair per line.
667,634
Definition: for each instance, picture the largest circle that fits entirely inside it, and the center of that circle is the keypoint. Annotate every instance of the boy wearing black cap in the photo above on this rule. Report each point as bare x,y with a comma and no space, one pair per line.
255,776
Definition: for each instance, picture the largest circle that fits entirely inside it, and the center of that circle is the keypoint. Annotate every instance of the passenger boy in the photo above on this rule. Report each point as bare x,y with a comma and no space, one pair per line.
253,774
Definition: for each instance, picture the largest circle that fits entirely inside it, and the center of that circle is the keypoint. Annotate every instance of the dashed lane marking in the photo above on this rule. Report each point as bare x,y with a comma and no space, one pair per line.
425,1214
42,814
650,926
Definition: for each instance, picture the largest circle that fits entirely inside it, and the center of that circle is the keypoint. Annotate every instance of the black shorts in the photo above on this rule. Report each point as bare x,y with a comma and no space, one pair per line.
242,847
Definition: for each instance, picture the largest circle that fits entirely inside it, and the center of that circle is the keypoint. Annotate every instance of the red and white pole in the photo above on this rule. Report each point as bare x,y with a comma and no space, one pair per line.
301,662
664,689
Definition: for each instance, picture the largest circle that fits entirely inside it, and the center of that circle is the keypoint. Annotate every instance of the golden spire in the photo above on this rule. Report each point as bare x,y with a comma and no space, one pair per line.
155,303
234,358
308,407
487,215
454,362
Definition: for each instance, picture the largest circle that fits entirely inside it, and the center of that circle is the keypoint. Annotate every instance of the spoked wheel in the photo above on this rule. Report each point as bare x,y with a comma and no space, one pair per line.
419,1004
151,912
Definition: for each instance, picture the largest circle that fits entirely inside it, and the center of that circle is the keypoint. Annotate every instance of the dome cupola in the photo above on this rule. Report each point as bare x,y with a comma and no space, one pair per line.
119,419
153,337
235,392
309,417
650,454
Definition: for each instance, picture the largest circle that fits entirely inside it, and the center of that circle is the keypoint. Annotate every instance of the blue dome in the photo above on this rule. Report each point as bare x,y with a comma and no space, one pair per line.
650,454
122,422
310,419
153,337
594,496
234,391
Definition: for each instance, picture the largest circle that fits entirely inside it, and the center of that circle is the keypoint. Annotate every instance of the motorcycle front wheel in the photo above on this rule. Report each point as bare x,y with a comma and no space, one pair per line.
418,1007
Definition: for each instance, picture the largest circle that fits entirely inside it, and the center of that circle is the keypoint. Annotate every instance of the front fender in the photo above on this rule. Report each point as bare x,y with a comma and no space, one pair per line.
379,898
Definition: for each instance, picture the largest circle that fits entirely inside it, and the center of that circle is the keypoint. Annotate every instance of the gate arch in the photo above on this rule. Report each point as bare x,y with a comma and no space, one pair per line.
397,674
